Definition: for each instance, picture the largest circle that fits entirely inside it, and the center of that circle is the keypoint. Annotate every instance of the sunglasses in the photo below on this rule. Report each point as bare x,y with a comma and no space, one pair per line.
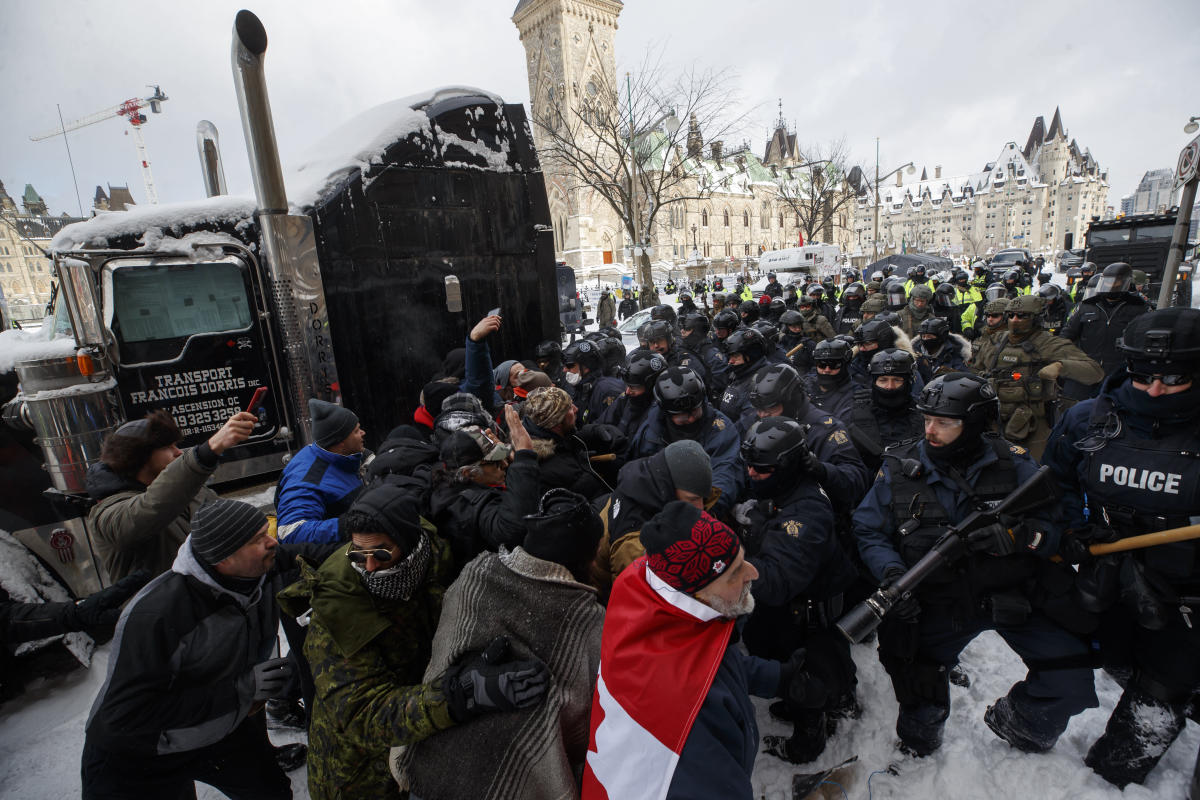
380,554
829,365
1018,315
763,469
1168,380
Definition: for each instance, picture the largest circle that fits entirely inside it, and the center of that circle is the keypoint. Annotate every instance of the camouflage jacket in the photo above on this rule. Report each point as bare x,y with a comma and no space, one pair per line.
368,658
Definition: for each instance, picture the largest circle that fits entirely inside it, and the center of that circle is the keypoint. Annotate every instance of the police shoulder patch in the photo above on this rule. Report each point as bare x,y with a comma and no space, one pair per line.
719,424
1016,449
608,401
827,421
793,527
839,437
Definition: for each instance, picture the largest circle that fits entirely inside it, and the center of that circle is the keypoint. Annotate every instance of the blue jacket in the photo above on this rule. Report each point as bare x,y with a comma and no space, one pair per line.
845,477
718,756
316,487
718,437
478,378
874,523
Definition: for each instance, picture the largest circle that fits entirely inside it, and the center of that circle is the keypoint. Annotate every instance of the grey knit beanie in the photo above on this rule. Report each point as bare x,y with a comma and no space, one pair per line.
689,467
220,527
331,423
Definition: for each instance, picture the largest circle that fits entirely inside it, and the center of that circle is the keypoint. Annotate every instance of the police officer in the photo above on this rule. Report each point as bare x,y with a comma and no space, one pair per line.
658,336
831,389
694,336
849,315
917,277
746,351
1058,307
1098,321
682,411
946,305
1129,464
1024,364
1087,271
591,390
787,526
943,351
887,415
773,288
749,312
875,335
778,391
994,322
815,324
918,309
956,468
724,323
628,411
548,355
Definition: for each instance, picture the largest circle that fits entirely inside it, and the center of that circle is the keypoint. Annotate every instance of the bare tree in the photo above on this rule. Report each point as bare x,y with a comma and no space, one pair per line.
637,143
973,237
819,189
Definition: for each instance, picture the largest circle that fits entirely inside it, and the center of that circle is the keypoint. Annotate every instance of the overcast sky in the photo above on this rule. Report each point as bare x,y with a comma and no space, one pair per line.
939,82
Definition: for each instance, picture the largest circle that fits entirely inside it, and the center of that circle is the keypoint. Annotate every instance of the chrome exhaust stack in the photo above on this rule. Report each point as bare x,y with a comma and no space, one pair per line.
209,148
288,241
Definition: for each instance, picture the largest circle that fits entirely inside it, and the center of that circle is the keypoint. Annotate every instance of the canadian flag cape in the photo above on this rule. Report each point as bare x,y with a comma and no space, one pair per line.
659,654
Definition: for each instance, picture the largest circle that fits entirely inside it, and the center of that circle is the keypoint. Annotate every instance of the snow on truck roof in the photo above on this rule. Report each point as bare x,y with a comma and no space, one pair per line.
357,144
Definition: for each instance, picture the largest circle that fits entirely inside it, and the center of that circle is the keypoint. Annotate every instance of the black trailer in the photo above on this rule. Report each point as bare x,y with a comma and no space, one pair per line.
1142,241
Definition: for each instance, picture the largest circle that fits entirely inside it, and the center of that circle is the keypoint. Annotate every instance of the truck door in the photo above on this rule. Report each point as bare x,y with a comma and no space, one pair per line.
190,338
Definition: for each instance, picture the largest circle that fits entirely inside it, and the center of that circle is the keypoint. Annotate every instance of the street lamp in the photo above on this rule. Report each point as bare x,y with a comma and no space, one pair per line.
1192,126
910,169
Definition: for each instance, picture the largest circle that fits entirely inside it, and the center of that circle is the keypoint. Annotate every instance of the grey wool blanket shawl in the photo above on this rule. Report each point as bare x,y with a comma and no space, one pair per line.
533,754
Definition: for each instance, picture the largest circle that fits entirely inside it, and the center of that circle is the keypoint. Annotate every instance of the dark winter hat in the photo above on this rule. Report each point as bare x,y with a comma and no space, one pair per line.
502,372
331,423
565,529
220,527
529,380
388,509
434,393
547,407
472,444
128,448
454,365
689,466
686,547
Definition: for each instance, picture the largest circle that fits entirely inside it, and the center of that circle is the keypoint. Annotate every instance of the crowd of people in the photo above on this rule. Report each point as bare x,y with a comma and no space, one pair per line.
578,564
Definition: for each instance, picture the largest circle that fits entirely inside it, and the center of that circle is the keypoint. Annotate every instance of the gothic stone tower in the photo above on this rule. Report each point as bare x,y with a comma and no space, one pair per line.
569,52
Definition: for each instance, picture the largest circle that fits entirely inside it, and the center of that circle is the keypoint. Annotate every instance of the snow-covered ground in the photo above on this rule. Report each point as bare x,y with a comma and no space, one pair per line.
41,737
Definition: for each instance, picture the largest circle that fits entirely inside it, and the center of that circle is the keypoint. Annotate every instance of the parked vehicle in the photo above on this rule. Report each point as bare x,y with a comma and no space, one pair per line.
1142,241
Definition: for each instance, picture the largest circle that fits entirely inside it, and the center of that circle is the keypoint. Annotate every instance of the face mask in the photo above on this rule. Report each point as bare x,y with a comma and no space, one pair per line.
830,382
572,378
398,582
891,398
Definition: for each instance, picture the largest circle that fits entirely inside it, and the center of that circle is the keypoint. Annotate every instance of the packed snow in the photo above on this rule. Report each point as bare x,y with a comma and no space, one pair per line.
18,345
41,734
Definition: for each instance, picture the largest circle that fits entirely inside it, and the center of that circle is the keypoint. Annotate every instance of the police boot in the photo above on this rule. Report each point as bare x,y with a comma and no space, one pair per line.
920,728
1139,731
807,741
1098,583
1008,722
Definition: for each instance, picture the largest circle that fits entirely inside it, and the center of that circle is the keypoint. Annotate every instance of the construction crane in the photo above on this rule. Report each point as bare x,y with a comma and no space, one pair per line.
131,110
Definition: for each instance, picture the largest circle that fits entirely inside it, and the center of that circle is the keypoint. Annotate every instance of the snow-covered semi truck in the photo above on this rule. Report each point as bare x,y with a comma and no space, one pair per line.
402,229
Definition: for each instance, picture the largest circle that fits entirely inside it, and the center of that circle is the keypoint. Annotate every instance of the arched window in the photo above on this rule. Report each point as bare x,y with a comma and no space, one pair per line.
726,213
704,218
764,221
745,219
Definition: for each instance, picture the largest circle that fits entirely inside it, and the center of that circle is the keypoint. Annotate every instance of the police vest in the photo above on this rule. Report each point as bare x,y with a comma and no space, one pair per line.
920,520
848,320
1013,369
1137,486
866,420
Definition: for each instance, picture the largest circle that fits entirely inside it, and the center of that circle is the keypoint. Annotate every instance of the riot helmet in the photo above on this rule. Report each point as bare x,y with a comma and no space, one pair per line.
832,353
995,291
790,317
777,385
612,353
1165,342
876,333
696,323
938,331
1011,279
853,294
584,353
726,320
775,443
770,276
749,344
664,312
1089,290
769,331
892,361
878,275
1051,293
1086,270
656,330
1115,281
644,368
896,296
918,273
946,297
548,355
816,291
920,292
678,390
960,395
748,312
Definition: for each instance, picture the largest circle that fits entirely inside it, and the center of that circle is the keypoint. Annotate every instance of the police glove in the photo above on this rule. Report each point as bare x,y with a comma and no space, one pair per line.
98,613
1073,548
799,687
999,539
811,465
906,609
485,681
1050,371
266,680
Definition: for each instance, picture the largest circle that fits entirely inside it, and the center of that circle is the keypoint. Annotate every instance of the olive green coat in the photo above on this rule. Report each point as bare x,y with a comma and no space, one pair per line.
368,658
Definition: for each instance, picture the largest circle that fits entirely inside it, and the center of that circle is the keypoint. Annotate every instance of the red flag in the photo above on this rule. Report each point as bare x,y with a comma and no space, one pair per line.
659,654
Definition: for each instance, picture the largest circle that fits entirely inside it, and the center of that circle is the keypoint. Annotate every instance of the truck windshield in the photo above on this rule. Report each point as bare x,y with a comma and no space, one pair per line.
179,300
1111,236
1155,232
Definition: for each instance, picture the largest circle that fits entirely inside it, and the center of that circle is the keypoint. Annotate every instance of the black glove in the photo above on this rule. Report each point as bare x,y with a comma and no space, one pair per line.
99,612
1003,539
906,609
267,679
811,465
970,334
486,682
1073,549
787,670
601,438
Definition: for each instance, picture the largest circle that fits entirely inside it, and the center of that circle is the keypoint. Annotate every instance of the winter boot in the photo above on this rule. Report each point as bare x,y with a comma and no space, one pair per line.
779,711
1006,721
283,713
960,678
807,741
920,728
291,756
1139,731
